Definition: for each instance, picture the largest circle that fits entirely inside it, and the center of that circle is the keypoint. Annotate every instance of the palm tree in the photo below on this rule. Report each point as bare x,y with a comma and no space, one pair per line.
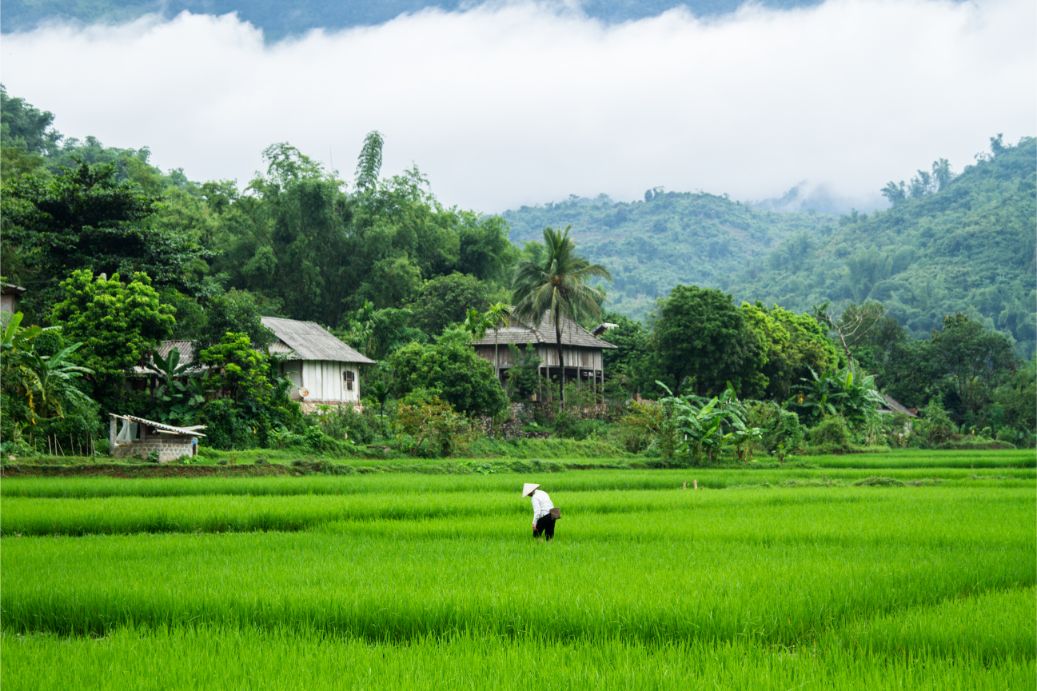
558,285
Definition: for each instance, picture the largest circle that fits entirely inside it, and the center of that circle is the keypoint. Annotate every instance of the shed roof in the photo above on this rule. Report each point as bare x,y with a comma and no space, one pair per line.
192,431
896,406
572,334
299,340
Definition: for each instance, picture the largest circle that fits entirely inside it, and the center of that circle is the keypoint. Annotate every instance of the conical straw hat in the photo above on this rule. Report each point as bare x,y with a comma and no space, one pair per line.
528,488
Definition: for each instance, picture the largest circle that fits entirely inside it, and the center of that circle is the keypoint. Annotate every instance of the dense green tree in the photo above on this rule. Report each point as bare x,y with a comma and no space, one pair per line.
703,343
378,332
246,403
972,359
449,369
85,218
631,367
793,345
118,323
870,335
445,300
559,286
237,311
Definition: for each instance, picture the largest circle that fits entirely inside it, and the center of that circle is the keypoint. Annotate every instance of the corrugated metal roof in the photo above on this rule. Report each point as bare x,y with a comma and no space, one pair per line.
310,341
186,431
572,334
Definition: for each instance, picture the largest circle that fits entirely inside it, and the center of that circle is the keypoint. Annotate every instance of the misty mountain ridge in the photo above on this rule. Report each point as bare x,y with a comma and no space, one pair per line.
281,20
966,247
810,196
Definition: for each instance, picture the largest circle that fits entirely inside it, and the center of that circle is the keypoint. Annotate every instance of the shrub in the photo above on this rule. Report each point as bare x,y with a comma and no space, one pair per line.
1016,437
831,434
638,430
347,423
570,424
429,427
780,431
934,427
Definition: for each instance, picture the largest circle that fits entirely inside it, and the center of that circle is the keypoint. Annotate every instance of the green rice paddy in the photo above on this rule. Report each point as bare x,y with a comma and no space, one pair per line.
911,574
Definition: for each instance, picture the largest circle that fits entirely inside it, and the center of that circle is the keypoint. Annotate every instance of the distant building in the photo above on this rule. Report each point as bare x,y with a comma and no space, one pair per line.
582,352
135,437
188,358
323,370
10,294
891,405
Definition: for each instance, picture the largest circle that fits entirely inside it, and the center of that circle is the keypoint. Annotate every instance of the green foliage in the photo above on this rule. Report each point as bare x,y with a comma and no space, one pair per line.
238,311
175,395
630,368
702,430
793,345
971,357
557,285
831,435
848,393
933,428
245,404
429,426
641,426
378,332
86,217
449,369
41,388
524,378
780,431
346,423
118,323
672,238
445,300
703,344
968,247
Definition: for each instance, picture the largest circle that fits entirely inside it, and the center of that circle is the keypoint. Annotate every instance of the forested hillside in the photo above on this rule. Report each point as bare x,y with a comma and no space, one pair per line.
968,247
949,244
278,21
115,256
670,238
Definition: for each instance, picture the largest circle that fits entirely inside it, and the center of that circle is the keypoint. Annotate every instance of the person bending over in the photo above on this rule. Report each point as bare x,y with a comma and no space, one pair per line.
543,520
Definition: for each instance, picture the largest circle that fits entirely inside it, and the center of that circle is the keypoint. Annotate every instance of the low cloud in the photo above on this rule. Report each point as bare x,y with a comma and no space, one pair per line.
516,103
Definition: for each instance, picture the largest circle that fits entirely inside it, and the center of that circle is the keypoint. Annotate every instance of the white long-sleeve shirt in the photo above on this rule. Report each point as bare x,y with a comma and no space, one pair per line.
541,504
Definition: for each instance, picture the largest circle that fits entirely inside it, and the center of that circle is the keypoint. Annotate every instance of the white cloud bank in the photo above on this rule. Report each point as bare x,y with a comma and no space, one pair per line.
520,103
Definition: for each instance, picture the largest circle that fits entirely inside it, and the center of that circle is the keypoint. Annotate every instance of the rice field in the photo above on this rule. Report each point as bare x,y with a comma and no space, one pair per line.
912,574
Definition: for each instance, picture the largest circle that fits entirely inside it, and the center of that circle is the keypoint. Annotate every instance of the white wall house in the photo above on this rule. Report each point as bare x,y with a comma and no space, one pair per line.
323,370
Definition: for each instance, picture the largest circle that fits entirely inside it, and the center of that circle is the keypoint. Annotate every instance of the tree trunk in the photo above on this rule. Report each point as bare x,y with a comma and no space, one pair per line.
561,363
496,360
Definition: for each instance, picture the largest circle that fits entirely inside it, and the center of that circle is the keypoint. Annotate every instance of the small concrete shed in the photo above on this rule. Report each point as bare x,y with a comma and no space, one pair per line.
130,436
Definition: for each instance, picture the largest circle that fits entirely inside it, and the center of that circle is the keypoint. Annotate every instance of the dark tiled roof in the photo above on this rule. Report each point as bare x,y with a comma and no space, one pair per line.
572,334
310,341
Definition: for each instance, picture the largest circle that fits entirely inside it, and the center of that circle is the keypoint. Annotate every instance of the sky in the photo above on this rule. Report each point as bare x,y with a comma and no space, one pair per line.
517,103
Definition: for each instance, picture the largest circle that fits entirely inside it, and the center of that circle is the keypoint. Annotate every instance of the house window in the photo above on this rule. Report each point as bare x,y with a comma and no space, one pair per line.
349,377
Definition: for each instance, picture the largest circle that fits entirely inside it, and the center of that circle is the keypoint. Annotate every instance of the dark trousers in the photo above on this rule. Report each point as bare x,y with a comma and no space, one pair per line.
545,527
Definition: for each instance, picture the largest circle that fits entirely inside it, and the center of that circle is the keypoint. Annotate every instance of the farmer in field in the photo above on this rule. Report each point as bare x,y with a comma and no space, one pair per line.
544,512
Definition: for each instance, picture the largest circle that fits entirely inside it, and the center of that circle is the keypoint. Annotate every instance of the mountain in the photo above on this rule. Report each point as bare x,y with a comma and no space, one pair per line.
650,246
280,19
968,247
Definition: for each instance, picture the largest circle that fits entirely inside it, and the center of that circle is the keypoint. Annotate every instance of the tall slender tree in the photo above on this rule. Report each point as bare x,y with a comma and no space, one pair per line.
558,285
